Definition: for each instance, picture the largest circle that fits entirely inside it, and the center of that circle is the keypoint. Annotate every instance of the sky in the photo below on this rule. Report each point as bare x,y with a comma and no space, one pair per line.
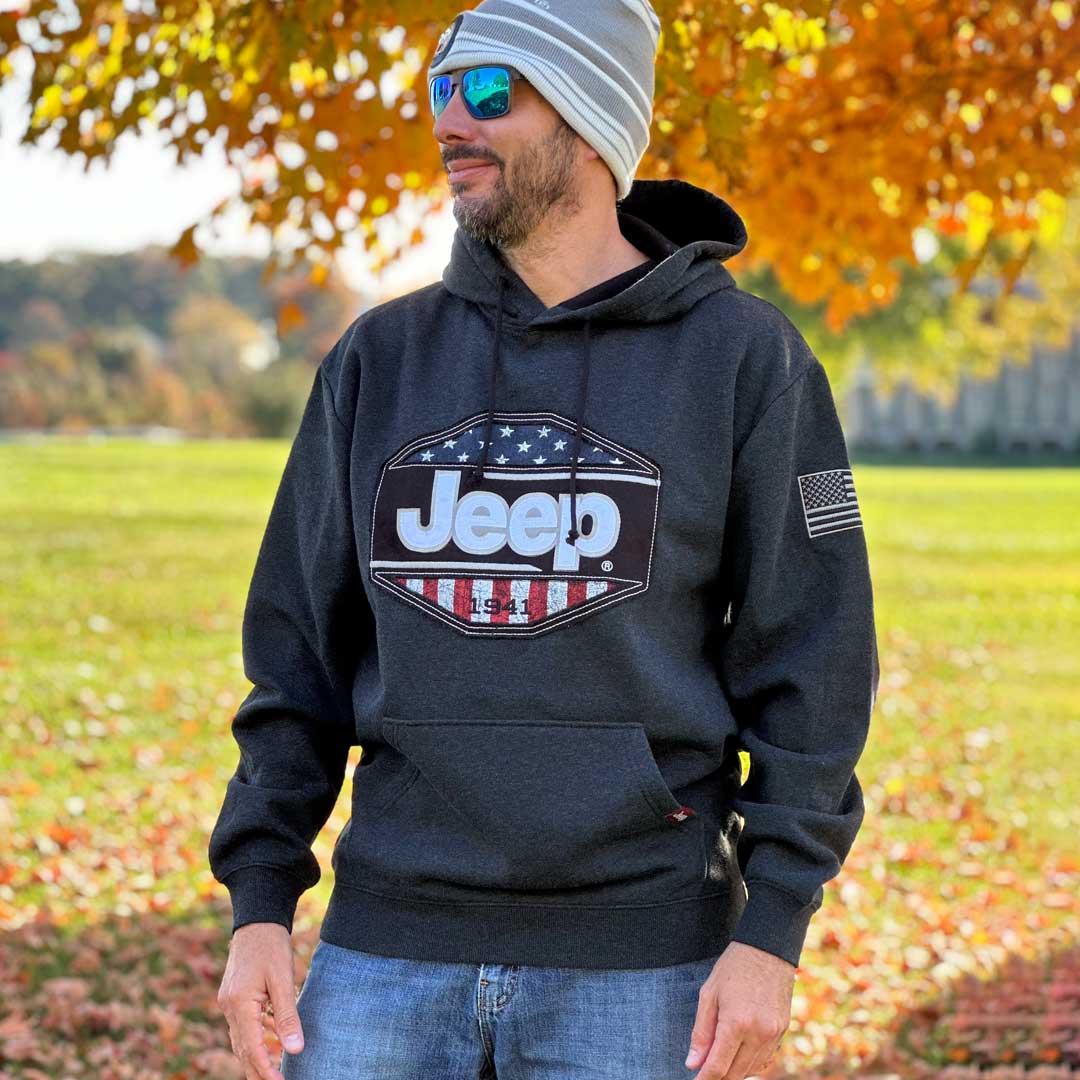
50,202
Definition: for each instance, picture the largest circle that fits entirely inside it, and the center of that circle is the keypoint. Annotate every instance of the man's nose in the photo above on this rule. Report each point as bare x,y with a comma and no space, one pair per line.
455,121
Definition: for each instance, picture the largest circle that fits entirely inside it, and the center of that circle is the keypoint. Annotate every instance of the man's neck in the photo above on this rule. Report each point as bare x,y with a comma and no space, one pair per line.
565,256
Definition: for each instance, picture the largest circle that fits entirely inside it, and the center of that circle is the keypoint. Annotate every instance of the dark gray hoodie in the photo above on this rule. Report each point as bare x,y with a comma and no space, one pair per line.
553,568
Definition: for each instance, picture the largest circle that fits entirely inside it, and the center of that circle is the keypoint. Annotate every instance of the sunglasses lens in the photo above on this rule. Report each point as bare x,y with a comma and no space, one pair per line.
487,91
441,89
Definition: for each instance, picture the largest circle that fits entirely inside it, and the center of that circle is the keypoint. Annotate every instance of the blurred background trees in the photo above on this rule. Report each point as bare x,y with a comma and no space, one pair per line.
904,167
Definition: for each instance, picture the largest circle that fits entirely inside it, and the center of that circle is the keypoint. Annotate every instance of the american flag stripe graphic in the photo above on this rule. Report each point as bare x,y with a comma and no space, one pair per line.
503,600
829,501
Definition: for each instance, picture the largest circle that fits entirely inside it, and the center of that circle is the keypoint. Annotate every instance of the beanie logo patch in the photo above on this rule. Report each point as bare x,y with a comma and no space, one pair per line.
446,40
492,559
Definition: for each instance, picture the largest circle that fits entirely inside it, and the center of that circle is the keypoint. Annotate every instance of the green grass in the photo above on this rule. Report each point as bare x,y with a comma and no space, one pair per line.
123,573
124,567
981,568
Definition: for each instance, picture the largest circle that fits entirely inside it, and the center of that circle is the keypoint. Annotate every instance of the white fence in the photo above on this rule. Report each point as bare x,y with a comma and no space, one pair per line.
1026,407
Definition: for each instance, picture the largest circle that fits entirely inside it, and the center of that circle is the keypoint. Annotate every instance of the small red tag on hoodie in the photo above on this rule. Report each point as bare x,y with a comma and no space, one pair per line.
681,814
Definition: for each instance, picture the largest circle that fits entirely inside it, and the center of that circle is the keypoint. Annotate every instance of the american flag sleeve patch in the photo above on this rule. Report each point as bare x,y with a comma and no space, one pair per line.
829,502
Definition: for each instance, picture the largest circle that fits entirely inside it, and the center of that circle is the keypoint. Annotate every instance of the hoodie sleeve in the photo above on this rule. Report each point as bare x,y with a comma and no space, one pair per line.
799,660
305,621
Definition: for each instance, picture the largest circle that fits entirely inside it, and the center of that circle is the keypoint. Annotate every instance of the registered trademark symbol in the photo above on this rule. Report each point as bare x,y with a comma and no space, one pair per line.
606,565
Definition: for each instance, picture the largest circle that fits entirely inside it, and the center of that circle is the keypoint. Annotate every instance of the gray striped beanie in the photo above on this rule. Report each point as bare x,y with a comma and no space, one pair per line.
593,60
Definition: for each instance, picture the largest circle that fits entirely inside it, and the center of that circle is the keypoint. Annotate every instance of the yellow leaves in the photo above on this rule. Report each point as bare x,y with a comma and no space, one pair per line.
247,55
120,36
980,218
204,17
1051,215
971,115
765,103
78,52
110,68
49,106
788,32
1062,96
761,38
239,94
888,195
302,73
1062,13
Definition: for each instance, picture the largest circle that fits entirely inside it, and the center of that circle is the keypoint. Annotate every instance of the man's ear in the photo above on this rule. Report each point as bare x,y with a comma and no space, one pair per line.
585,148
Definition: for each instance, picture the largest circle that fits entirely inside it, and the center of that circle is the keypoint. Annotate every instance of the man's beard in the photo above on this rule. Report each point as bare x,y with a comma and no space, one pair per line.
543,176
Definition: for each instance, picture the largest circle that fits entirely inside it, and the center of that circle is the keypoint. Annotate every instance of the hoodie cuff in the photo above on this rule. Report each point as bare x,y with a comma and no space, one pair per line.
774,920
263,894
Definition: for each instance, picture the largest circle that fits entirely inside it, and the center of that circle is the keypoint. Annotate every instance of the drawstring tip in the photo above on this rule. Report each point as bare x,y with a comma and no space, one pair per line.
572,536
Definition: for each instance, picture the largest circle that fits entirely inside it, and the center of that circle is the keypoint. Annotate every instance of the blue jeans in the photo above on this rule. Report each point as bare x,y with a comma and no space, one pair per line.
372,1017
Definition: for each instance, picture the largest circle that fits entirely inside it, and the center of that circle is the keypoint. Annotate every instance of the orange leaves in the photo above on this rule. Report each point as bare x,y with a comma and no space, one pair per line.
804,112
289,315
185,249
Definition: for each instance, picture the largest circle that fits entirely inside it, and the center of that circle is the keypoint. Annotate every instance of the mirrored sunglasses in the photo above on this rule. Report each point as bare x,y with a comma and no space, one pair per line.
486,90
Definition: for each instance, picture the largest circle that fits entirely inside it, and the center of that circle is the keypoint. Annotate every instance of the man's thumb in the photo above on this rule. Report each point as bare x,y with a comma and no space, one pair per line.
287,1020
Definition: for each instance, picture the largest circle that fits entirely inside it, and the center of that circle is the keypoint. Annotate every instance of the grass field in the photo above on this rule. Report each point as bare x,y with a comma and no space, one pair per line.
123,573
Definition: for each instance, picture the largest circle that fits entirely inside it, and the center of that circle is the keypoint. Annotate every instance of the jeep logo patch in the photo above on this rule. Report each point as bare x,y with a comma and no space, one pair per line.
493,559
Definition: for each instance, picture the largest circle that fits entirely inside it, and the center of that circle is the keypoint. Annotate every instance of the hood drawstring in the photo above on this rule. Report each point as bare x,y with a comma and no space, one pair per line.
476,473
573,534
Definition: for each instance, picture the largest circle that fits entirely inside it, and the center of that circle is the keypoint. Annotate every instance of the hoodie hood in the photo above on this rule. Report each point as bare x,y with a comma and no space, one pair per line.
691,231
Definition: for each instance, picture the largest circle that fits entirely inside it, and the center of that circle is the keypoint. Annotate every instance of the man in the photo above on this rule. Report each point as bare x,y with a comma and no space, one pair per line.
558,536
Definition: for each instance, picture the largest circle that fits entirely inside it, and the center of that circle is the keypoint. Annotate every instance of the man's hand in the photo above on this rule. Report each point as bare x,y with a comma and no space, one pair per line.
260,970
744,1008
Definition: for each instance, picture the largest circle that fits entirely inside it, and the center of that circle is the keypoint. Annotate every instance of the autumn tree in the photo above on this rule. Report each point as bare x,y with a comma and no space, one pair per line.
836,128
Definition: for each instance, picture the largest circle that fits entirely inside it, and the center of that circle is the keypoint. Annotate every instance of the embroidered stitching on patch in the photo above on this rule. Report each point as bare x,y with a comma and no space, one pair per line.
829,502
493,562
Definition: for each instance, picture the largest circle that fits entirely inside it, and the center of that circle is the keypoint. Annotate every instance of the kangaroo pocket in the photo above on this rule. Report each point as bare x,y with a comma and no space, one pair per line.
533,805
